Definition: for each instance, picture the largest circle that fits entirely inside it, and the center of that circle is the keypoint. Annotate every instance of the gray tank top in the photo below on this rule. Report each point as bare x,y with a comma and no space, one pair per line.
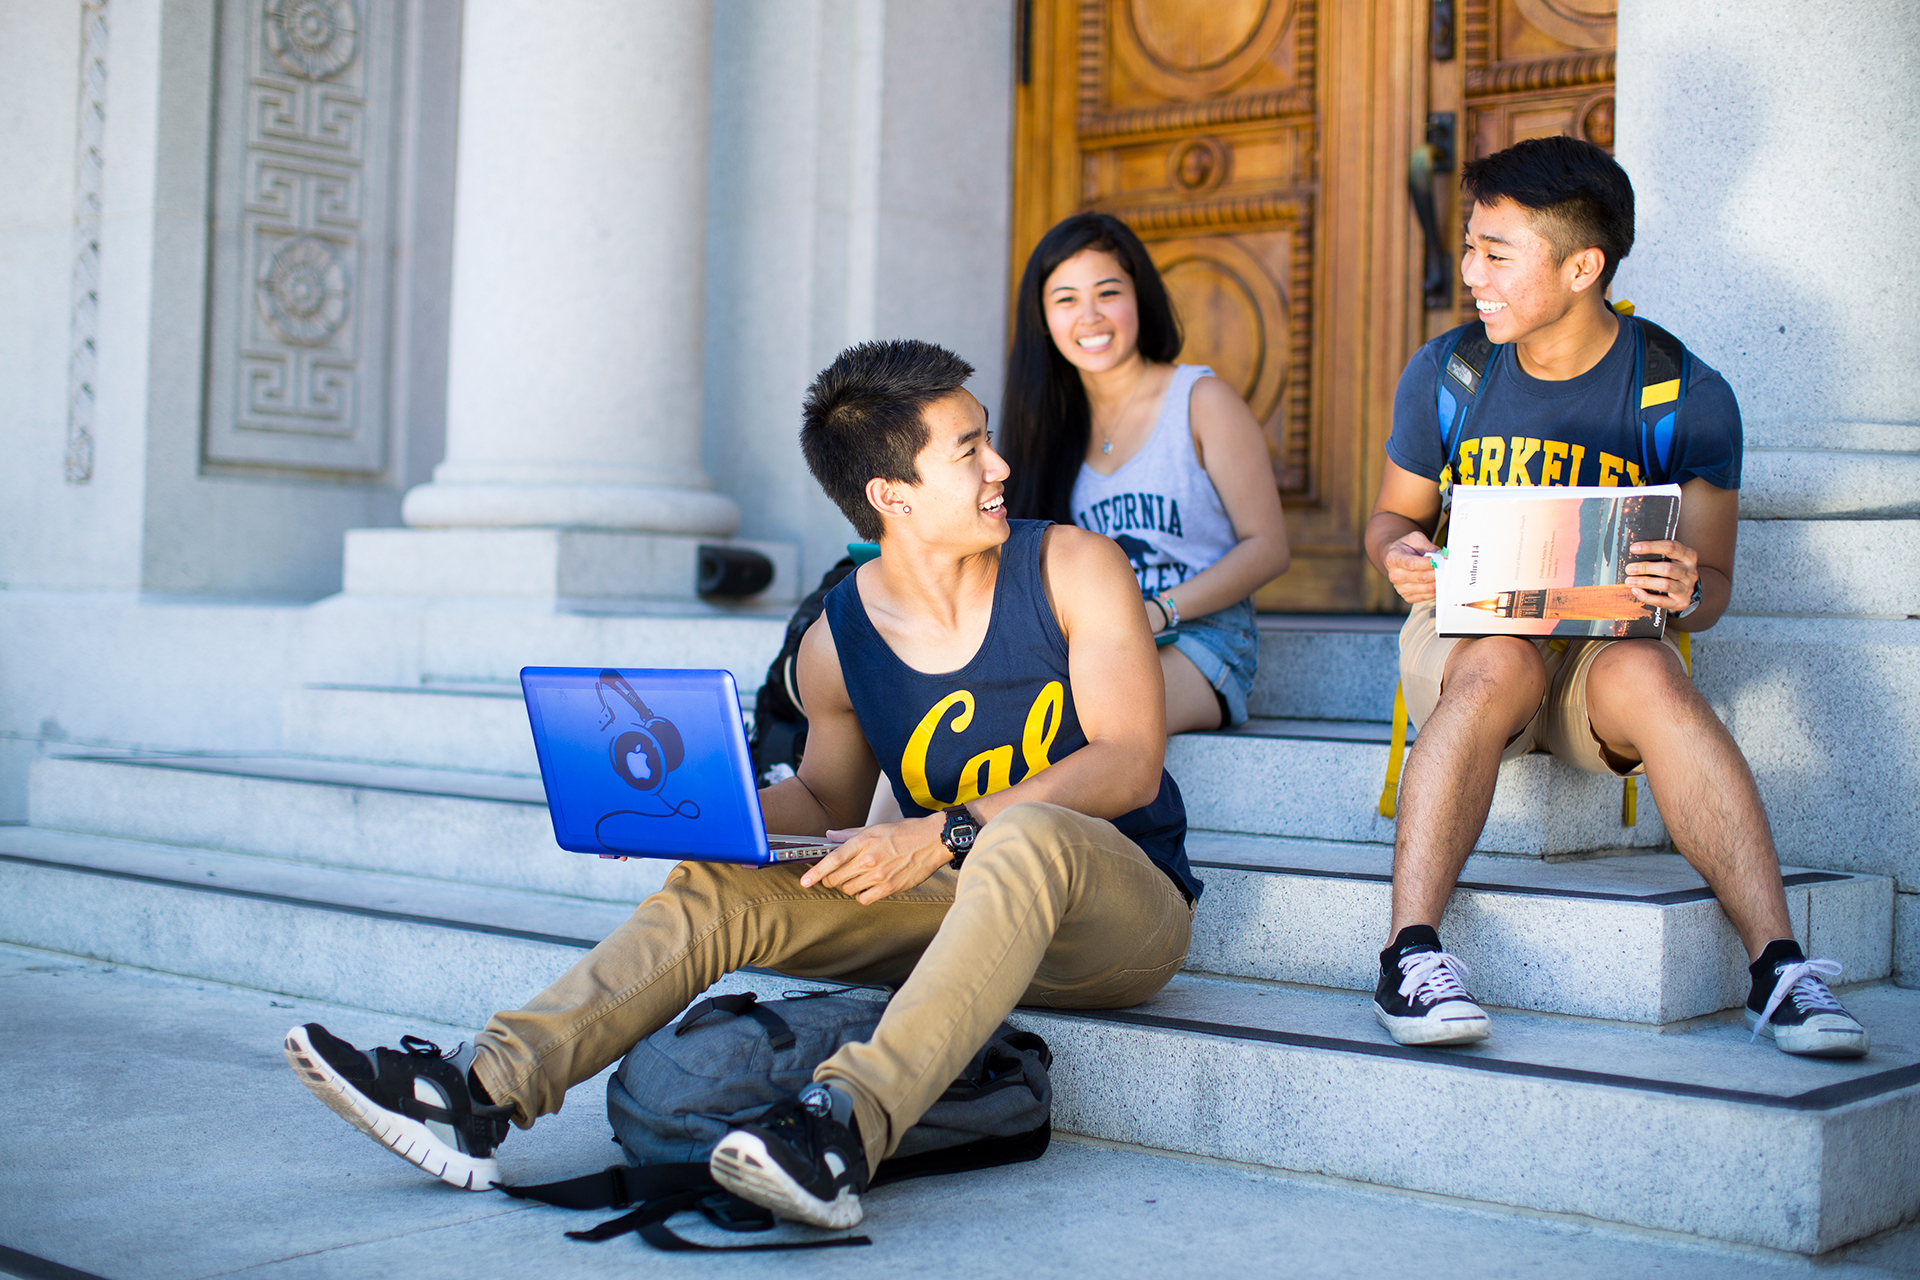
1160,506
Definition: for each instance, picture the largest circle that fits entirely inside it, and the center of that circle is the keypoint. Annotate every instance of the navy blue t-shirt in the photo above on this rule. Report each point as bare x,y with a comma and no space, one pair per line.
1583,431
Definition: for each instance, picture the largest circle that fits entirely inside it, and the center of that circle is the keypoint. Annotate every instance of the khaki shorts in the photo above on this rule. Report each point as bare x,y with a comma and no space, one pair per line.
1560,726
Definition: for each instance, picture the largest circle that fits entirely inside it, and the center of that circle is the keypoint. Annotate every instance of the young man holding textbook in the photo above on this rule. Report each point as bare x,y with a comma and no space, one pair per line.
1558,401
1001,674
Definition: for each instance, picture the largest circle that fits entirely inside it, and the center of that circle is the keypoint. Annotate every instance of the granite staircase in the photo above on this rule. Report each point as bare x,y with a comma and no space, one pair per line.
397,855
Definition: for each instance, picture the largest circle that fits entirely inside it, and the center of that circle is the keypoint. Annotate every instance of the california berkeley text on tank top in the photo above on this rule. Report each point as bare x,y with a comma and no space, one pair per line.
1160,506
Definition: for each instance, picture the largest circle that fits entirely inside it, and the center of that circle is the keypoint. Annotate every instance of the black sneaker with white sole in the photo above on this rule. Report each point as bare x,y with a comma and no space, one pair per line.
1422,997
1790,1004
797,1160
413,1100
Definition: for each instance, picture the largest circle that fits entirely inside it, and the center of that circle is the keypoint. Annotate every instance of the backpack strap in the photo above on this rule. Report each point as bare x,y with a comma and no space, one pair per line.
1662,369
1396,753
779,1034
1463,371
660,1191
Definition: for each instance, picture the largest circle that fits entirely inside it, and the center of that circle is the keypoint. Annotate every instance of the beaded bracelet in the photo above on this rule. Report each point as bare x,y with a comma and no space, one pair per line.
1169,608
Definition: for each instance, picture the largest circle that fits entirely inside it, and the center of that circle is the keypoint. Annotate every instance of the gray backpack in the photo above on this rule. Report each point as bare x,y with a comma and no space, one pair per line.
731,1057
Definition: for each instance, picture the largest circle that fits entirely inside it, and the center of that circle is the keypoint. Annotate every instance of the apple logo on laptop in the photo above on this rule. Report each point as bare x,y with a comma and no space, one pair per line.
649,749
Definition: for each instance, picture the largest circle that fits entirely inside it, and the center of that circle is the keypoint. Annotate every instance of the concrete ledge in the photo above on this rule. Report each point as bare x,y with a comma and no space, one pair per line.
1821,484
577,564
495,832
427,725
1699,1132
1635,939
1635,1144
1906,939
1825,568
1331,669
1827,712
1245,781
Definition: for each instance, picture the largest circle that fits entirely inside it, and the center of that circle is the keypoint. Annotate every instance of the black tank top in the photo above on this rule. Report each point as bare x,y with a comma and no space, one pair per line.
1007,714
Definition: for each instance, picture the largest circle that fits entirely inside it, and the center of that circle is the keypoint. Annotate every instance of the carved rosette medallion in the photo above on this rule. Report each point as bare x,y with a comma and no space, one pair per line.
1596,122
313,39
1199,164
302,292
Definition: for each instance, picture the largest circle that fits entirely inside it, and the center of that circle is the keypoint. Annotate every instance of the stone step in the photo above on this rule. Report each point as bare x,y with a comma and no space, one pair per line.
1636,938
468,828
1321,780
1632,938
1339,669
1312,778
467,725
1696,1131
1326,667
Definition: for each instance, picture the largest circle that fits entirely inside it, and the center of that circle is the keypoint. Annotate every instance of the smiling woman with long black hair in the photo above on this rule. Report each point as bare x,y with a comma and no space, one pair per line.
1104,430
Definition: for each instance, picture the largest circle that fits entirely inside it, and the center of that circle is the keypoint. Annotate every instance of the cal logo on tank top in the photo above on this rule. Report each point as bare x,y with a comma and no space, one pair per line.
948,738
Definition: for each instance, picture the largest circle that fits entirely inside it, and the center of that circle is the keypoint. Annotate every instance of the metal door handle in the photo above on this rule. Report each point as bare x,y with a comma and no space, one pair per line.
1436,285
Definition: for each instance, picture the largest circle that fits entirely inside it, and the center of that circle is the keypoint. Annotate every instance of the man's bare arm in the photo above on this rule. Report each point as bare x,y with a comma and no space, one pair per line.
1399,533
1702,548
1118,691
835,782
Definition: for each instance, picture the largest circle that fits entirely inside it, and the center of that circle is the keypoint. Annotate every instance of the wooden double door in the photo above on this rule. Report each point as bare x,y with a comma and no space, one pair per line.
1267,152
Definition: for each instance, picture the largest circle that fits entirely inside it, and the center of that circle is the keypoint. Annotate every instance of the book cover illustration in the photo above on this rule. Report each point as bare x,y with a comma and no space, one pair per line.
1550,561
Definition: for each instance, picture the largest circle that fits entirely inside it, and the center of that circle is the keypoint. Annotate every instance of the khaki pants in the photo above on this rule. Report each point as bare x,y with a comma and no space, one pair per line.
1560,726
1053,908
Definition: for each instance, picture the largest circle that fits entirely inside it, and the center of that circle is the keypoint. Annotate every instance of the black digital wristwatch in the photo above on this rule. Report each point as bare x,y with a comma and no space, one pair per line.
958,834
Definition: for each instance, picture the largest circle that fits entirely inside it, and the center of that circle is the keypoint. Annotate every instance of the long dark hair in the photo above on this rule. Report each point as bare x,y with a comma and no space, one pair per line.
1044,421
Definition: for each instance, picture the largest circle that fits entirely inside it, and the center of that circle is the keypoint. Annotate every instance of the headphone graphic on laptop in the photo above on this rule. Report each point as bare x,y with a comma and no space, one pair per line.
643,753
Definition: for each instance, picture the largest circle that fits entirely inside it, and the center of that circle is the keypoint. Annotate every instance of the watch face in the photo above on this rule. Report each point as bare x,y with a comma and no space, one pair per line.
959,832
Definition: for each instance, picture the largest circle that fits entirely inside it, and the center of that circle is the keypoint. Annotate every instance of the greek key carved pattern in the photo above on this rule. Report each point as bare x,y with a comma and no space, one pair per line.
84,320
301,384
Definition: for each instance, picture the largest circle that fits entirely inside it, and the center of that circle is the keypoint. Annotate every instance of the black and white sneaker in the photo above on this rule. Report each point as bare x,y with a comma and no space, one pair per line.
798,1161
1797,1011
1422,997
412,1100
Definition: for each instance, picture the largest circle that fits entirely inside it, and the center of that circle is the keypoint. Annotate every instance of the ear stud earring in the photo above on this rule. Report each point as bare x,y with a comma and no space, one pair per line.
906,511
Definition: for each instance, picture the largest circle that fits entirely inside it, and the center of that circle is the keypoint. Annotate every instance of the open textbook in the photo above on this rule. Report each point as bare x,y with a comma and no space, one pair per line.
1549,561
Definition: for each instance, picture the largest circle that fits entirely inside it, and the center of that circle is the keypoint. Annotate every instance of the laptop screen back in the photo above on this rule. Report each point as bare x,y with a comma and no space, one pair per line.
647,763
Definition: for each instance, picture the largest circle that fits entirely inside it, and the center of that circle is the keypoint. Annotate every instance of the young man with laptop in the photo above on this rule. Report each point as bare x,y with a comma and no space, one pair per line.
1001,674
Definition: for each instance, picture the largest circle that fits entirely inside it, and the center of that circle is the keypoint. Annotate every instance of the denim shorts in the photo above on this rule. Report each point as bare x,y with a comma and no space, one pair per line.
1226,648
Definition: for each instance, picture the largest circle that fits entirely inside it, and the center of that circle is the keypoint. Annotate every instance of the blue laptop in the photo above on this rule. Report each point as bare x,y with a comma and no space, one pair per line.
651,764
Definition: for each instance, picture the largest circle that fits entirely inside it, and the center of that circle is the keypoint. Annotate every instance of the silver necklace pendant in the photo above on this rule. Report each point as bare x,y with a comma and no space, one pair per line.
1106,446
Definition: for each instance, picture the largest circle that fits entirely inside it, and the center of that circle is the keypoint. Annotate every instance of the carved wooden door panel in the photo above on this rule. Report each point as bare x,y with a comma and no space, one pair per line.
1261,148
1525,69
1230,136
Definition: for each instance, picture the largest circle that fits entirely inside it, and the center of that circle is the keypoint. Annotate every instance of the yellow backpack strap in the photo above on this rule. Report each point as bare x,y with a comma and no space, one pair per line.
1396,751
1629,794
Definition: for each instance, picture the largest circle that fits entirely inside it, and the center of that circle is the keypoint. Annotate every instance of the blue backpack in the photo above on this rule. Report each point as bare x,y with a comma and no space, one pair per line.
729,1058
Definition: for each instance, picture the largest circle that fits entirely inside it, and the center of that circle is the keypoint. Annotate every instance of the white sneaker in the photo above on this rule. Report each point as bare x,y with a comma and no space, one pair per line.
1423,999
1801,1016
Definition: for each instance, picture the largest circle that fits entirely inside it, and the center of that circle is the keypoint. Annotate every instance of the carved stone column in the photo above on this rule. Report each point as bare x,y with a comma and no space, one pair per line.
574,384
